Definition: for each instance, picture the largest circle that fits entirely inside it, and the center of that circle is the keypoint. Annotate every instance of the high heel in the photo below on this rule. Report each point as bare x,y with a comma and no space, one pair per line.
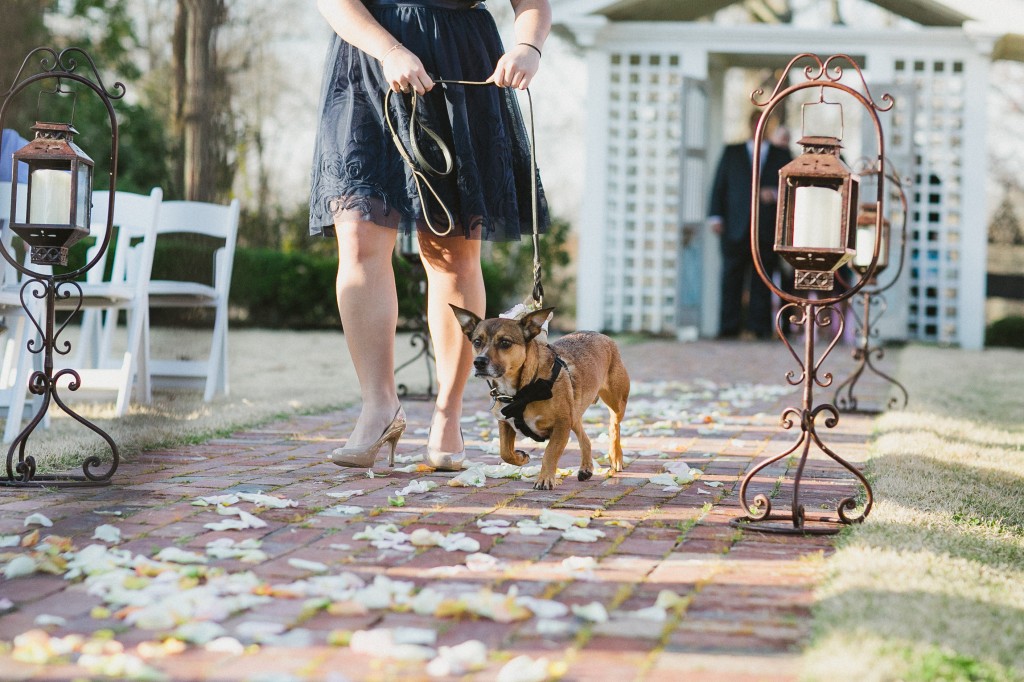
363,456
446,461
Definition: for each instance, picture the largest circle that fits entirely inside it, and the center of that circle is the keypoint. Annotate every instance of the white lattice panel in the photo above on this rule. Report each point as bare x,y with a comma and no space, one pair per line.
935,226
642,191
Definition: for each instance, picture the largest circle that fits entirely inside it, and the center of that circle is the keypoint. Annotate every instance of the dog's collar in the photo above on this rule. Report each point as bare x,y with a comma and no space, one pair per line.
536,390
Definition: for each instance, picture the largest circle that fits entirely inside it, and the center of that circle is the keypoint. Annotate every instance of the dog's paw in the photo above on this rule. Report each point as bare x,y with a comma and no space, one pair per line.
544,483
518,458
584,474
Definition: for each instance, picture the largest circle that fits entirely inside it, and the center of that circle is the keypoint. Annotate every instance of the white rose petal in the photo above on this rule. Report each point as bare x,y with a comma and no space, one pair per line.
524,669
482,562
529,527
180,556
38,519
342,510
544,608
107,533
346,494
470,478
226,645
306,565
575,534
420,486
560,520
258,631
268,501
200,632
594,612
458,660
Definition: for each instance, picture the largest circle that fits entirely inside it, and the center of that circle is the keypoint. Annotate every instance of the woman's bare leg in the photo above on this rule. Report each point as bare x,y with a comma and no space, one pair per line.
453,276
368,304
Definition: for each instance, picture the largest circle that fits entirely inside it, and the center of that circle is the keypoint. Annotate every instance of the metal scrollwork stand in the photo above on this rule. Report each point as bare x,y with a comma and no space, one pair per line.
61,67
813,315
872,301
420,337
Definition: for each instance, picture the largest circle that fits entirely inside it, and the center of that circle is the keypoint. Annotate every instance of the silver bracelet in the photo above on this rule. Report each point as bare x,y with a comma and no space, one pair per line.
390,50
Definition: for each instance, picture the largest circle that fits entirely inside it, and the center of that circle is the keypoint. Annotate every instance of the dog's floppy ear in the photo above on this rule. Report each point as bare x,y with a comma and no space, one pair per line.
468,320
533,323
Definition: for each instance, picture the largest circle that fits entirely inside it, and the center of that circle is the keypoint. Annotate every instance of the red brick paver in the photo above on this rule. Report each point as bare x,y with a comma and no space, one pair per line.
744,599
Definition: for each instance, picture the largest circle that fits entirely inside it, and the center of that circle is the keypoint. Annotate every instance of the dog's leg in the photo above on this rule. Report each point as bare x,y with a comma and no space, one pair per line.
552,453
507,445
615,394
586,460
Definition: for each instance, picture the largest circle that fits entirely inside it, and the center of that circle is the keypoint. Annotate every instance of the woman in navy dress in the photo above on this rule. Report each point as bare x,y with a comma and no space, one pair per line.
363,193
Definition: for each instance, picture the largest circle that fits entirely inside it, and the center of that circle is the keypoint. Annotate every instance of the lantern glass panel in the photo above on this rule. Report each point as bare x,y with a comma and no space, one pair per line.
83,197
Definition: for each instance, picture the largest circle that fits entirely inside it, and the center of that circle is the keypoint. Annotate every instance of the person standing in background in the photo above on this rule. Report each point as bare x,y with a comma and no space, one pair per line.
729,218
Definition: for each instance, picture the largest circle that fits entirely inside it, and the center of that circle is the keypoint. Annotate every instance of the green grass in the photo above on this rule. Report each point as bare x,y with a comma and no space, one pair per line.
931,587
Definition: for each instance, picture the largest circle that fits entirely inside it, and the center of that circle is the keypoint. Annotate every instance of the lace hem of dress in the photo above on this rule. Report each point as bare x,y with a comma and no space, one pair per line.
372,208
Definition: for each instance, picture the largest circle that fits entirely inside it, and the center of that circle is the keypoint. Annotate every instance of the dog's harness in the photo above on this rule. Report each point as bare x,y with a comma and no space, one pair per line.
535,391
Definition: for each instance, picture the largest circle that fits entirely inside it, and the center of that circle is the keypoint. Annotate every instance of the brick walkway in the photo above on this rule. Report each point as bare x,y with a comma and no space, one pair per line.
742,600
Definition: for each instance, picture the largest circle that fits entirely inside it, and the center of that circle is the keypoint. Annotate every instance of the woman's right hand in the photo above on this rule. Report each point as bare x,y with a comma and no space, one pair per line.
404,72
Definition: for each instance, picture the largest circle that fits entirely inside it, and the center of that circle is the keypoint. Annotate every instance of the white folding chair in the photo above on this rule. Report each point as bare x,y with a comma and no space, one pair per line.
18,330
135,218
194,218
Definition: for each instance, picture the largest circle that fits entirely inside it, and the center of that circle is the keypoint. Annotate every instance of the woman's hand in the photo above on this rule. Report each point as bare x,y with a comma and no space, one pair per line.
516,68
404,71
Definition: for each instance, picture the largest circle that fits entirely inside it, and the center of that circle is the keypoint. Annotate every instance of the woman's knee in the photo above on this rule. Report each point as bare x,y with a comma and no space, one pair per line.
455,256
364,243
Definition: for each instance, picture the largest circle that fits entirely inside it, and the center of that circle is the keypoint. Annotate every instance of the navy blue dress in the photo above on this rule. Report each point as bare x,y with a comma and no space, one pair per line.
359,174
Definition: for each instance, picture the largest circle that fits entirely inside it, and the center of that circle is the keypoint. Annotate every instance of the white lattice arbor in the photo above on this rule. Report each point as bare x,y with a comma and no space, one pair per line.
655,129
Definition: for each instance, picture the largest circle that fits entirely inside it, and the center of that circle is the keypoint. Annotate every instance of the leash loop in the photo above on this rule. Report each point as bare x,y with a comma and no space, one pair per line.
421,168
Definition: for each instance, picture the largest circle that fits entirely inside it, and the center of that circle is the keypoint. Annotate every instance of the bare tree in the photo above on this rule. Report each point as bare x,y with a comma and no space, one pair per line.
20,30
200,99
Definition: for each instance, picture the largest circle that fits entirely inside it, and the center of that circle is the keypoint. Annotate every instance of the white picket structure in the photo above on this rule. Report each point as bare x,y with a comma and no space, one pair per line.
650,165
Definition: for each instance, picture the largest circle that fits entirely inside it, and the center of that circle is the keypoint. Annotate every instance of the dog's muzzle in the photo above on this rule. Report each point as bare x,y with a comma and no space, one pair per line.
482,366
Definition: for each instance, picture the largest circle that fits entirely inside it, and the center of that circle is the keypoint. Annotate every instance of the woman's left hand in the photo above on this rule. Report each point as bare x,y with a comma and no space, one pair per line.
516,68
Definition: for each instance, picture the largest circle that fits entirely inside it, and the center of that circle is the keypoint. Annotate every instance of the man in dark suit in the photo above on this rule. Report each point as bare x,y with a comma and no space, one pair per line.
729,217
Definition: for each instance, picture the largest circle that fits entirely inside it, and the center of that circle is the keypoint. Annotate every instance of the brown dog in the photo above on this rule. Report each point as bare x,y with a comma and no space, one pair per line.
543,390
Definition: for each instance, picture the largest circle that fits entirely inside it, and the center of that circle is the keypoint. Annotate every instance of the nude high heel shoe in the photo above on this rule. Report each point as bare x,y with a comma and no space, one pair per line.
363,456
446,461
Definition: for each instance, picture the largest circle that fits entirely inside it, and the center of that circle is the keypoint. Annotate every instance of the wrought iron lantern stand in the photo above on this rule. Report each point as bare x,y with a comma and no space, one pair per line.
813,233
420,338
59,202
871,298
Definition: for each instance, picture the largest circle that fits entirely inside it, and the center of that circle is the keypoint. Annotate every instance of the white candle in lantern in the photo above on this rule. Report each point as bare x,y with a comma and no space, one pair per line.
817,218
51,197
865,246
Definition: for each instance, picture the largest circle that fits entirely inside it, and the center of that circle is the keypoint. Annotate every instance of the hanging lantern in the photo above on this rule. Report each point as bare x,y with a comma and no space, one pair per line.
865,241
59,193
815,224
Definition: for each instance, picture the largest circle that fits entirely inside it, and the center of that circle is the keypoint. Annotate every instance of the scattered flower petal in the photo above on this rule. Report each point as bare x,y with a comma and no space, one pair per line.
107,533
306,565
458,660
38,519
524,669
594,612
474,478
20,566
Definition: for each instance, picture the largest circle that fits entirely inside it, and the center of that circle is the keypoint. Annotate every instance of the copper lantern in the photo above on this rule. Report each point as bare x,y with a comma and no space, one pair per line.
59,193
864,241
816,220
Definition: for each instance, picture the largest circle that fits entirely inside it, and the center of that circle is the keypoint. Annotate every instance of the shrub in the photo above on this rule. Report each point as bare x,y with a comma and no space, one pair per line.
1008,332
